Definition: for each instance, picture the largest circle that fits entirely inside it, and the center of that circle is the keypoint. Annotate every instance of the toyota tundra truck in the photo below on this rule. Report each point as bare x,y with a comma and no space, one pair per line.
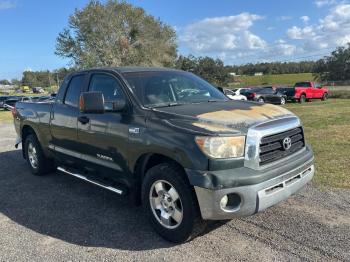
169,141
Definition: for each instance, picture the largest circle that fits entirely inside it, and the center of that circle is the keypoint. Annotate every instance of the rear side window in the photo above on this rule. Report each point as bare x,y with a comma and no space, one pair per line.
303,84
267,91
74,90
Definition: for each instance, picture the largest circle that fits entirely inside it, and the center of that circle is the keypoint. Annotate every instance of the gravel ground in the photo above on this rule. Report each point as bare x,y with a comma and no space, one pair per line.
59,218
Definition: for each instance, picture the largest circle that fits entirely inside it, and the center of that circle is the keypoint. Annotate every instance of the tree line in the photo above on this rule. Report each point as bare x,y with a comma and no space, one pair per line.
273,68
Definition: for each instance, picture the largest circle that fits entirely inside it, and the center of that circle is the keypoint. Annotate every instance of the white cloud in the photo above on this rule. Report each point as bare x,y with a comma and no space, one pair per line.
305,19
222,35
282,48
284,18
331,31
300,33
231,38
321,3
7,4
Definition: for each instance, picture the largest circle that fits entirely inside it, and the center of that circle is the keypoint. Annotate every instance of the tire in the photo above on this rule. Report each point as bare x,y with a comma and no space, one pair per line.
324,97
38,163
166,191
283,101
261,100
302,99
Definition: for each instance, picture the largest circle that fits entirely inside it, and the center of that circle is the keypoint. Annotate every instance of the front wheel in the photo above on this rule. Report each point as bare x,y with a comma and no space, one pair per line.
261,100
170,204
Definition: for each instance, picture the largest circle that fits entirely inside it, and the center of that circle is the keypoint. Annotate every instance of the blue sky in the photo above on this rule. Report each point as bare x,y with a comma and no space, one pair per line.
239,31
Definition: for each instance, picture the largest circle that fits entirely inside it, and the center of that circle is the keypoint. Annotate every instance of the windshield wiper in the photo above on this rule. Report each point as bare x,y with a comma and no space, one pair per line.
207,101
170,104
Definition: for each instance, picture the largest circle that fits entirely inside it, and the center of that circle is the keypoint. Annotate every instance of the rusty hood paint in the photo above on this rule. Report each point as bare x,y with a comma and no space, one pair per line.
222,117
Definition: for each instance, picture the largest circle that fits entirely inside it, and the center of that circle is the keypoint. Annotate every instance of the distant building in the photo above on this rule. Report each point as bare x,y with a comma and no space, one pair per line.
258,73
7,87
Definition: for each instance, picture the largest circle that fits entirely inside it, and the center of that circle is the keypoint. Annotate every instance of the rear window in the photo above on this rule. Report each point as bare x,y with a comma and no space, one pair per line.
303,84
74,90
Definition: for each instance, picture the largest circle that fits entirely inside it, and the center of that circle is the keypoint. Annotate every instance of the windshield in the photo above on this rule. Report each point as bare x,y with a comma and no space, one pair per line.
167,88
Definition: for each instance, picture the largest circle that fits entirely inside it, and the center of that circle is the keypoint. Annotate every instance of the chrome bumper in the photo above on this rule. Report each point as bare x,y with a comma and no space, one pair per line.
254,198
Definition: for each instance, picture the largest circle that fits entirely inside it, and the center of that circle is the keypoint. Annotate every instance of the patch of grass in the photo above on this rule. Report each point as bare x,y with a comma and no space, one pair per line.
339,94
327,126
5,116
280,79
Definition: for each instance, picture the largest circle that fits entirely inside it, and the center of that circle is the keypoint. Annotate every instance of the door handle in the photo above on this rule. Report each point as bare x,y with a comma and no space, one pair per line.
83,119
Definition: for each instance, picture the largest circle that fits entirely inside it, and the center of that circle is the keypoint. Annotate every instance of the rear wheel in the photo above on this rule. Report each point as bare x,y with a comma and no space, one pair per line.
170,204
283,101
261,100
324,97
38,163
302,99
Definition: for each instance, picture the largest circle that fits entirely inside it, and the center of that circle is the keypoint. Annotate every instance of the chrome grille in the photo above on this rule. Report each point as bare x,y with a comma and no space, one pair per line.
271,147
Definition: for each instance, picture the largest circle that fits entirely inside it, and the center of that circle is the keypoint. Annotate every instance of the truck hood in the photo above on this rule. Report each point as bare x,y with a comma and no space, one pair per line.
221,117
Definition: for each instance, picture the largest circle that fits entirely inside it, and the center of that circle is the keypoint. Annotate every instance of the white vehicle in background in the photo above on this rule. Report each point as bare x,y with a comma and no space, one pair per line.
234,94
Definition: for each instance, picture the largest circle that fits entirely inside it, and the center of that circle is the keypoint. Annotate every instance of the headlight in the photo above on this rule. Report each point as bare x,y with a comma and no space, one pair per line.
221,147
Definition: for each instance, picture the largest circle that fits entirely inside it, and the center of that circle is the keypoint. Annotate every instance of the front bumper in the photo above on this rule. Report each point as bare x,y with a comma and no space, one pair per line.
255,197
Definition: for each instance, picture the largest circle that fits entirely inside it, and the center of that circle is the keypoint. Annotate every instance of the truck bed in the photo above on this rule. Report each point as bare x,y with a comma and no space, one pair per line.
288,91
36,115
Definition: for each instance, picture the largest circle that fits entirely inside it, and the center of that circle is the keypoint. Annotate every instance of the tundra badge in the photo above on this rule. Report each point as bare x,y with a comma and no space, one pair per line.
134,130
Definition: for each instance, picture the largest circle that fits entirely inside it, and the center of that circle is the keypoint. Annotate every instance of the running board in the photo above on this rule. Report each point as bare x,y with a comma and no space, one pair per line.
113,189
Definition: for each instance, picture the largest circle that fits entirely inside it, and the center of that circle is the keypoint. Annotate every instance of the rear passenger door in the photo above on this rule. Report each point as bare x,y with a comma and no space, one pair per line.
269,95
64,116
104,138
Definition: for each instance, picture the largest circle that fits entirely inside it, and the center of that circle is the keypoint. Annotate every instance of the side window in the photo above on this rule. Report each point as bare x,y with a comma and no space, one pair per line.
267,91
74,90
109,86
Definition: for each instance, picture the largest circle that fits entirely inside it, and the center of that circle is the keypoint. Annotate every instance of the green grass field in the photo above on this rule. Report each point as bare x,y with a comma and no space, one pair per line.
327,126
281,79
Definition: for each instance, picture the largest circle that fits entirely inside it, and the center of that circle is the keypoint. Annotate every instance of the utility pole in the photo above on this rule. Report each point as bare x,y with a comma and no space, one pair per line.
58,81
49,78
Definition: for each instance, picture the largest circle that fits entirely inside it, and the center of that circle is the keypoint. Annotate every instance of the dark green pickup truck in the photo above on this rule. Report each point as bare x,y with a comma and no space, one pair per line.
169,141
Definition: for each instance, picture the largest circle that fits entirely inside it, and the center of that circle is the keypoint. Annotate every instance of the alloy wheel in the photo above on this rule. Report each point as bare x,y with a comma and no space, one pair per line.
32,156
166,204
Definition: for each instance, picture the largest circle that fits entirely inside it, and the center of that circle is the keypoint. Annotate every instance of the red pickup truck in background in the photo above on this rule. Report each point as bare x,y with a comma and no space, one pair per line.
304,91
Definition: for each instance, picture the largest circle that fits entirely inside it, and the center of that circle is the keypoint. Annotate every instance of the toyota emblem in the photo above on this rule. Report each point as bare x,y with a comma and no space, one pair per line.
287,143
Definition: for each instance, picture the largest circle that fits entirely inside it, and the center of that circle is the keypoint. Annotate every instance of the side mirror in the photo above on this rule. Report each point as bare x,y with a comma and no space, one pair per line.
91,102
115,105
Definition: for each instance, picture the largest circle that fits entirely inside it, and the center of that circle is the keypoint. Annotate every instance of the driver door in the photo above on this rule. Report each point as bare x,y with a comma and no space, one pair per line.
103,137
